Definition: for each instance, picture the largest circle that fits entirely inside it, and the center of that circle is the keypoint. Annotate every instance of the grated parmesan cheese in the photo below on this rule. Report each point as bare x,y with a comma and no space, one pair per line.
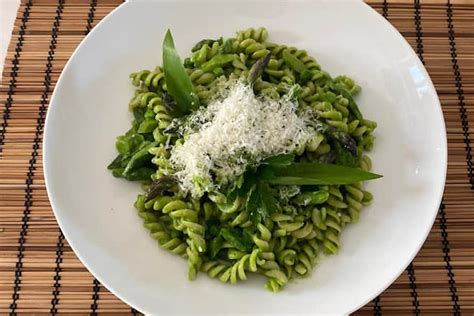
233,133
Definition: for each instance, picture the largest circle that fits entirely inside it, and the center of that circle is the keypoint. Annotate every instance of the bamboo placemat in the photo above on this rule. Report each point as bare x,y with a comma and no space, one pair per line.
39,273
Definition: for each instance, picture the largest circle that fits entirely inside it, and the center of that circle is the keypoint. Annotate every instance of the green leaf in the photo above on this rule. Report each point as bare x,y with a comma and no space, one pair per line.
261,203
140,174
215,246
217,61
139,114
279,160
344,157
353,107
302,173
236,238
139,158
177,80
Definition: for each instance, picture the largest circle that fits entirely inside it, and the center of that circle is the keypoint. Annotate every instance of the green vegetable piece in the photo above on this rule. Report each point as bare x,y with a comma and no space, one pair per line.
302,173
353,107
292,61
344,157
159,186
279,160
128,144
257,69
147,126
217,61
138,159
236,238
215,246
312,198
177,80
261,203
140,174
139,114
306,76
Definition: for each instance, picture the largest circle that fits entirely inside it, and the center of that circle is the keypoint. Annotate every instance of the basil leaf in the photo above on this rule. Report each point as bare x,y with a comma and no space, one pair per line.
353,107
177,80
344,157
215,246
236,238
302,173
261,203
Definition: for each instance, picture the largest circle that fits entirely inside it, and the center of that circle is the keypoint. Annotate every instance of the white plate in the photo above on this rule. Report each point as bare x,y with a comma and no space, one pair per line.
95,212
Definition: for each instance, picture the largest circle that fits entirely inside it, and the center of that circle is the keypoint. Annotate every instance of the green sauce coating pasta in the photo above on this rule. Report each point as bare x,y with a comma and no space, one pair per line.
217,233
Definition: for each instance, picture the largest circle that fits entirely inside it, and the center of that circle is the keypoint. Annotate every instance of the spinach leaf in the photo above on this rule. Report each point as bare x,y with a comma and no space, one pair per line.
236,238
215,246
261,203
177,80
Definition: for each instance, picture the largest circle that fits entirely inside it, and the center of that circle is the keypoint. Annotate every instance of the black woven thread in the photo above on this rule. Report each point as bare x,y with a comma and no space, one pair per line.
385,9
414,294
14,72
419,50
57,273
377,309
460,94
90,16
134,311
447,259
95,297
467,143
419,32
34,155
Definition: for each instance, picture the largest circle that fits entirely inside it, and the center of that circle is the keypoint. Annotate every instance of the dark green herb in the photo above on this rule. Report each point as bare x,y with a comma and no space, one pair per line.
140,174
215,246
139,159
302,173
261,202
236,238
177,80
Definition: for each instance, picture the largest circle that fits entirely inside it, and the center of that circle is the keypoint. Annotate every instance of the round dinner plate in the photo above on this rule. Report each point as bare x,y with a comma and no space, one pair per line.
95,210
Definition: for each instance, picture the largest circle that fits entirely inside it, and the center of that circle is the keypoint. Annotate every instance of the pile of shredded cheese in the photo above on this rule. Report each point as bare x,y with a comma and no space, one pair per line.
233,133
